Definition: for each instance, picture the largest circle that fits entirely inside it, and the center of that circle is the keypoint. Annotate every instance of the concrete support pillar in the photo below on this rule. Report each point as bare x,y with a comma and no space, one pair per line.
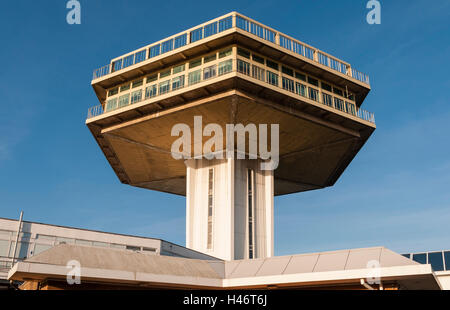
221,210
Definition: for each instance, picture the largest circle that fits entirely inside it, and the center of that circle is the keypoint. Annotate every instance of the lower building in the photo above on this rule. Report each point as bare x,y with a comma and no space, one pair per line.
47,257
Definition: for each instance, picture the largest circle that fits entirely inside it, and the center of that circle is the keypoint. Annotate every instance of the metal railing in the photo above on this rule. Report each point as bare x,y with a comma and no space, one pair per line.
247,69
232,20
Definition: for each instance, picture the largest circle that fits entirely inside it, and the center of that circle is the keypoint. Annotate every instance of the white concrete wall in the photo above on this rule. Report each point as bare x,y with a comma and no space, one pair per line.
444,279
230,226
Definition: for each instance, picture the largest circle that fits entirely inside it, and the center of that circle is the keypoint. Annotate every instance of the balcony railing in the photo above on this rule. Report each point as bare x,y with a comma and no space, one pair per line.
224,67
231,20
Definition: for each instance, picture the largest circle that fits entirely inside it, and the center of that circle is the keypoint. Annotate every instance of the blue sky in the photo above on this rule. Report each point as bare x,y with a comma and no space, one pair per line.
395,193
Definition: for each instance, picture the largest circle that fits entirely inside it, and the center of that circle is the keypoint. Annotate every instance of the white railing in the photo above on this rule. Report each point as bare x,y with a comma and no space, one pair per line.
232,20
217,70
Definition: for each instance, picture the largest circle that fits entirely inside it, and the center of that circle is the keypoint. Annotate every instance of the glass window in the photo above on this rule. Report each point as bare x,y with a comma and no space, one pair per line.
243,67
45,237
243,53
313,81
313,93
272,78
287,71
164,87
326,86
195,77
111,104
258,73
125,87
195,63
100,244
113,91
137,83
271,64
118,246
124,100
258,59
300,89
327,99
447,260
136,96
436,261
39,248
250,212
152,250
407,256
210,206
152,78
209,58
178,82
4,248
209,72
133,248
337,91
288,84
151,91
165,73
351,97
225,66
225,53
83,242
339,104
21,250
300,76
178,69
420,258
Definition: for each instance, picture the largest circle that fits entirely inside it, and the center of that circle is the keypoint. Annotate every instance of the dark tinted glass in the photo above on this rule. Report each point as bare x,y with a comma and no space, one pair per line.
313,81
271,64
287,71
258,59
435,259
326,86
447,260
420,258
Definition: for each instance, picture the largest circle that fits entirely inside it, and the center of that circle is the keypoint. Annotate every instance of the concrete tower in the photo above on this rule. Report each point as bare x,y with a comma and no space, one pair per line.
231,70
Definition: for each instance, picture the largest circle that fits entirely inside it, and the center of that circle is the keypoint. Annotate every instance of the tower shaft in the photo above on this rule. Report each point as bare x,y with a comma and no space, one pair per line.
229,208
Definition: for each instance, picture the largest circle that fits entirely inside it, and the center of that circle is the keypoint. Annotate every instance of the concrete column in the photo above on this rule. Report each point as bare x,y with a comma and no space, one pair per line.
230,221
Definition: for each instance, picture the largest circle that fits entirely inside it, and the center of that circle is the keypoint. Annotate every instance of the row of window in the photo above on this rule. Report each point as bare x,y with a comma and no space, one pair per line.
295,87
439,261
174,70
291,72
26,248
166,86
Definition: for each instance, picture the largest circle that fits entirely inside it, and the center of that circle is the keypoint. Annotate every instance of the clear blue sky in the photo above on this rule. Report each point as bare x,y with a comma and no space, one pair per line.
395,193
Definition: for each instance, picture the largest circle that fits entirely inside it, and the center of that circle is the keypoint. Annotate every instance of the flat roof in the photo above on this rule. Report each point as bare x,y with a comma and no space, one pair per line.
324,268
